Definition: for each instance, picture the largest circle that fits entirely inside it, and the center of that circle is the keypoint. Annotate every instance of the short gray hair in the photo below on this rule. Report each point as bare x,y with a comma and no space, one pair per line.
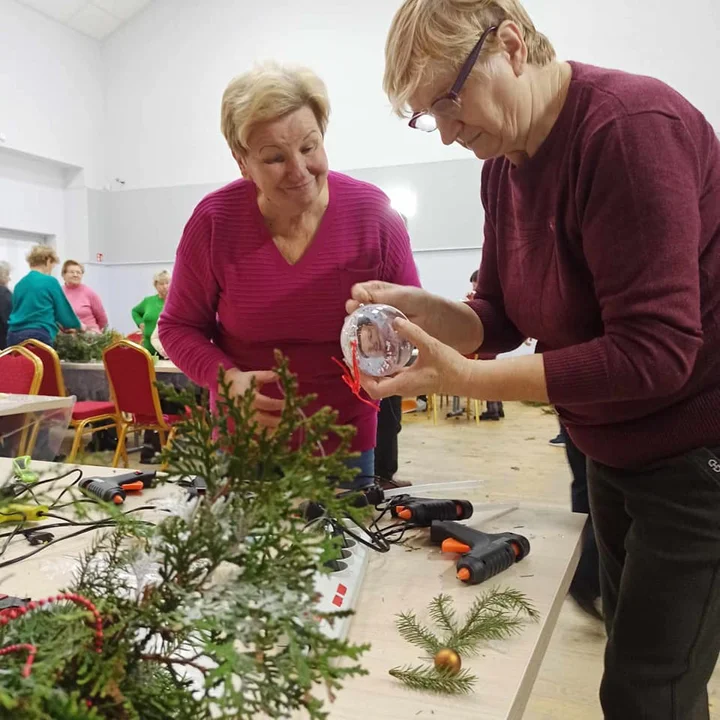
5,270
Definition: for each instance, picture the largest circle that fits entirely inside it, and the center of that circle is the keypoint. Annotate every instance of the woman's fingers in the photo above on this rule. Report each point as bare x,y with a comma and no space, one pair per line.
263,377
414,334
267,420
400,384
268,404
375,291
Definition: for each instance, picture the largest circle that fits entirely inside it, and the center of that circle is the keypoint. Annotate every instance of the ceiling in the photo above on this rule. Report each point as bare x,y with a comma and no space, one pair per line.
96,18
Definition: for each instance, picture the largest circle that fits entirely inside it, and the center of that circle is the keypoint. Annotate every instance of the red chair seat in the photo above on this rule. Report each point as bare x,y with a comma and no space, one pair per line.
90,408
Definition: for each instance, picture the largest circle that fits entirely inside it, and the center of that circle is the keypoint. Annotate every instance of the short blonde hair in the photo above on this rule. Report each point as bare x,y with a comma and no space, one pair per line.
425,33
267,93
162,276
69,263
5,270
40,254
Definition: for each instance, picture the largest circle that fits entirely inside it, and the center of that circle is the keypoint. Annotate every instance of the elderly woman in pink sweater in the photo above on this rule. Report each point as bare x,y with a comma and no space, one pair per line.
267,261
85,302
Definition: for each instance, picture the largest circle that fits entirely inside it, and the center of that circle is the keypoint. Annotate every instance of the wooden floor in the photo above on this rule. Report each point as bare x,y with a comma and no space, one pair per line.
513,456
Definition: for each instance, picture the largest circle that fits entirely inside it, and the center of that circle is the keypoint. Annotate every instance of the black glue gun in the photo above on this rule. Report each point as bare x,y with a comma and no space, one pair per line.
483,555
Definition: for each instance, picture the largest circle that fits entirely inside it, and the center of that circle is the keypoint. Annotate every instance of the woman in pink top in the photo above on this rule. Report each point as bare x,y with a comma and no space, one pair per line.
267,261
85,302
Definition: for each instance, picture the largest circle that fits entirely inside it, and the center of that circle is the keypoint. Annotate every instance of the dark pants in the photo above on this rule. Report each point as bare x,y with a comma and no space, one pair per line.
15,337
586,581
658,532
386,447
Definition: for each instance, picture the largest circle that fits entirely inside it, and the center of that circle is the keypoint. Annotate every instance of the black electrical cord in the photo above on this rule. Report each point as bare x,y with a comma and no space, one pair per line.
68,487
88,527
11,535
7,563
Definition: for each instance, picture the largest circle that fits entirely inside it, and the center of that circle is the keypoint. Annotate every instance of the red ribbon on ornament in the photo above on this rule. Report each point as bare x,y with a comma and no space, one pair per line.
352,379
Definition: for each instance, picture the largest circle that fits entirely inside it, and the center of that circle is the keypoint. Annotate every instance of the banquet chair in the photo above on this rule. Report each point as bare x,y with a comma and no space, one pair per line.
131,375
88,416
21,373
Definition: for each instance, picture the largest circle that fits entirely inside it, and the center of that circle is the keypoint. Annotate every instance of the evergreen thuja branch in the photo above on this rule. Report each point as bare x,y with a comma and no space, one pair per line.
416,634
223,584
429,679
443,614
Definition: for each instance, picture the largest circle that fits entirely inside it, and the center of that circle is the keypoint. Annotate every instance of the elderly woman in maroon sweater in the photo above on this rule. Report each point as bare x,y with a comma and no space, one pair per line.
602,240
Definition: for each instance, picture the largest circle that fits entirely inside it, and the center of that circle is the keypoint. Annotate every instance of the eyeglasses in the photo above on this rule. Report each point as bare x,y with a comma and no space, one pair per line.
449,105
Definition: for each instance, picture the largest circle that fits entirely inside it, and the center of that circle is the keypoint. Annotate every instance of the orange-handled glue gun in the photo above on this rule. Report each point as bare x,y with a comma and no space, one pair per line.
114,487
421,512
483,555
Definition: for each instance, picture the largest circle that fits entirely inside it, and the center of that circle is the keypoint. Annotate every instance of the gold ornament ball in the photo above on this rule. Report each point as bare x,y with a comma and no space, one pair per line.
447,659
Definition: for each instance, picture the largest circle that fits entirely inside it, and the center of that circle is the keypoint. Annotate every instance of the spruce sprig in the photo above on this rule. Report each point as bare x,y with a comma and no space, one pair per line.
416,634
427,678
443,614
494,615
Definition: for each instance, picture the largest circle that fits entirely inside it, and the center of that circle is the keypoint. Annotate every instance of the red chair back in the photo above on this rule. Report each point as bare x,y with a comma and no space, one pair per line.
136,337
52,379
21,372
131,375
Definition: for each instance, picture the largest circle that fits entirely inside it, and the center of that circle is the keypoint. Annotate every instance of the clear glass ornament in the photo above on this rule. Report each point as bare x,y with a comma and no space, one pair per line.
368,334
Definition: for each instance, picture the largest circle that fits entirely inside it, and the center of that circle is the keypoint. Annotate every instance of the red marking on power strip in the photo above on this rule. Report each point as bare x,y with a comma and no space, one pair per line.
341,590
338,600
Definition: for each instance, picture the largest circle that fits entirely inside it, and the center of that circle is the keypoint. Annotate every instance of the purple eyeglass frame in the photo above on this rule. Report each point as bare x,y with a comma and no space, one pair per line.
452,99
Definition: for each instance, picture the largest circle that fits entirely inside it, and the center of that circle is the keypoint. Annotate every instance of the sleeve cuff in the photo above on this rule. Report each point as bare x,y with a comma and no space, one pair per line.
577,374
500,335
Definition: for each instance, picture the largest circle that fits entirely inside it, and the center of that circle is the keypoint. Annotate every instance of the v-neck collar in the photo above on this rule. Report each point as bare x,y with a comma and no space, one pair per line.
319,239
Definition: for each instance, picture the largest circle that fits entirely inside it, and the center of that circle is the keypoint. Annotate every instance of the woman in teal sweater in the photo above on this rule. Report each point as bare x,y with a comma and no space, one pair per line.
39,306
146,313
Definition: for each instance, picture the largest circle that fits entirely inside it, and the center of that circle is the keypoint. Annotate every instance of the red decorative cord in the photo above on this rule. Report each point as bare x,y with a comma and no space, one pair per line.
9,615
31,650
352,379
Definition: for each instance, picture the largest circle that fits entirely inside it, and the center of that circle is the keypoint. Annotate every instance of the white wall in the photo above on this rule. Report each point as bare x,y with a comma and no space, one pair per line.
167,69
51,91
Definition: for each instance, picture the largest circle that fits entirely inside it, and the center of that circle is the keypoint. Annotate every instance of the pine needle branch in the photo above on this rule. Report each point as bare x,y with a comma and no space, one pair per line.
416,634
495,615
443,614
429,679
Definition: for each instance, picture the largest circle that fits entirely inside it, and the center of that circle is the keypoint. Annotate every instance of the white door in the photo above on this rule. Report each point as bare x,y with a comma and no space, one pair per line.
14,246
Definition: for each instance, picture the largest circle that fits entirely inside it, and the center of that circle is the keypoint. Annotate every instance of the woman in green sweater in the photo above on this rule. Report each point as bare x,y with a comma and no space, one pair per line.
146,313
39,305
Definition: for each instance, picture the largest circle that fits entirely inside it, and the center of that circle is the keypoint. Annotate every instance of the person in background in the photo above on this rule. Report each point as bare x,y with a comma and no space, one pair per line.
5,301
473,283
601,195
155,340
39,304
146,313
494,408
84,301
266,262
585,585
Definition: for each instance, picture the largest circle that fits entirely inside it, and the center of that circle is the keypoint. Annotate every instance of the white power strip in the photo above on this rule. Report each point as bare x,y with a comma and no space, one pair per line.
340,589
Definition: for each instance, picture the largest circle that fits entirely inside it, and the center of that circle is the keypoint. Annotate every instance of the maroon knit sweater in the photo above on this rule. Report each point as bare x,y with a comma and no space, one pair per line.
605,246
